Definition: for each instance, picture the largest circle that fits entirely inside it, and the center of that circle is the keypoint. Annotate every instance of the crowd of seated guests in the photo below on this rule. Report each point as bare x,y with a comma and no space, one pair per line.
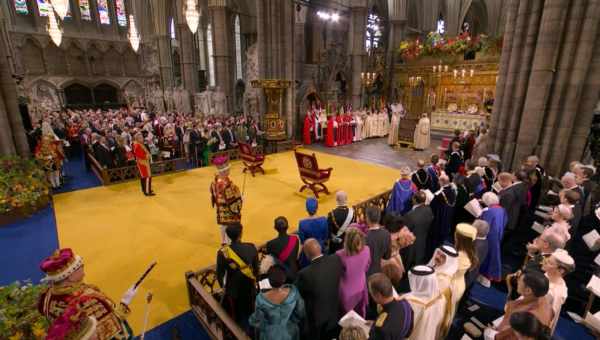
107,135
408,269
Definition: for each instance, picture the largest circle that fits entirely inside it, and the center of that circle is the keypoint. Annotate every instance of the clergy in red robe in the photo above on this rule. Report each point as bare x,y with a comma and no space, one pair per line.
331,130
349,134
339,136
308,128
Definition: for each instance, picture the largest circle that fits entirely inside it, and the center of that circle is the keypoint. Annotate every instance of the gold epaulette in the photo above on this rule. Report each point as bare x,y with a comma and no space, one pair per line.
381,319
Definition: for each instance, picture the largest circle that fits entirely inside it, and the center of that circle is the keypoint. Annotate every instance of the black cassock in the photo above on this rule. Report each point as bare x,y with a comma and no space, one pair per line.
443,205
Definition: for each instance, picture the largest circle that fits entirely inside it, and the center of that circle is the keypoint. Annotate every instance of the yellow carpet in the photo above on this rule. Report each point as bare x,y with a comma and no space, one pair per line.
119,231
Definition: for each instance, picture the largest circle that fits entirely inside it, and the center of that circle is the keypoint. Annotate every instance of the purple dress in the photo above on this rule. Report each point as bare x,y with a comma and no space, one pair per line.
353,283
497,219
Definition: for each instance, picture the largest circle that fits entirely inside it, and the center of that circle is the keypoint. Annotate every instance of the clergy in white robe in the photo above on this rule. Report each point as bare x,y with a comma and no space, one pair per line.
394,126
368,125
385,123
445,263
422,133
427,303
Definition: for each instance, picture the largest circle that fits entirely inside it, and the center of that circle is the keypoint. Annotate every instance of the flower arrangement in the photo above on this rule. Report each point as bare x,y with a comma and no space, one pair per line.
440,46
23,184
19,317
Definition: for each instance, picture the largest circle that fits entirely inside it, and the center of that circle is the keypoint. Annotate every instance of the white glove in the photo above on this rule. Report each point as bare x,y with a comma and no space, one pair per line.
489,334
128,296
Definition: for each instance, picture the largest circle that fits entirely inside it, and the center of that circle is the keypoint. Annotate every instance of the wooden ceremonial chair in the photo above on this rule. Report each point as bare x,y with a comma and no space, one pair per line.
310,174
251,159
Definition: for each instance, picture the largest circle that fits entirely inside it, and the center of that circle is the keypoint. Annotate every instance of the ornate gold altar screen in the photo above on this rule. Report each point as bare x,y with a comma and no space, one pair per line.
454,93
274,90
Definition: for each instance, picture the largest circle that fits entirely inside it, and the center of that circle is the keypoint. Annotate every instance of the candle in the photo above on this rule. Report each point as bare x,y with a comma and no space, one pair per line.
472,72
455,73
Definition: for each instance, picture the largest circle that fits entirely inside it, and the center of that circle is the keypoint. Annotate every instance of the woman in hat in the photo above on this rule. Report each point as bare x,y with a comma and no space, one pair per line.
402,193
313,227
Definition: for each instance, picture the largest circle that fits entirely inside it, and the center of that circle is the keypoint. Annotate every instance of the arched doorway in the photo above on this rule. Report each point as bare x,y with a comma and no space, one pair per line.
105,96
78,96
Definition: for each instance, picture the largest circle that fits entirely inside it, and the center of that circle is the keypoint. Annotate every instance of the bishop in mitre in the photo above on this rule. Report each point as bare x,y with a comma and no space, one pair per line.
422,133
427,302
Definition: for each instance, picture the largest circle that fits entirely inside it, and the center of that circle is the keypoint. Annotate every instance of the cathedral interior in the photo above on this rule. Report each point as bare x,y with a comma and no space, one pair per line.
526,71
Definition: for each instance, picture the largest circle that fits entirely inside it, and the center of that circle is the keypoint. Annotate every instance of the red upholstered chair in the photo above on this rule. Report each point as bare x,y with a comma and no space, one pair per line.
444,147
313,177
252,160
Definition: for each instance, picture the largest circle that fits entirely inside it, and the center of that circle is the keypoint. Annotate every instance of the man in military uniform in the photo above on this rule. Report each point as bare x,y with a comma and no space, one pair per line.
143,159
338,220
64,273
395,319
237,268
226,197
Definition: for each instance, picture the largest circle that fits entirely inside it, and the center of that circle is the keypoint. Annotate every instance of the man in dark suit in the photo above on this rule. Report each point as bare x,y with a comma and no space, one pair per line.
338,221
318,284
418,221
473,182
103,154
237,266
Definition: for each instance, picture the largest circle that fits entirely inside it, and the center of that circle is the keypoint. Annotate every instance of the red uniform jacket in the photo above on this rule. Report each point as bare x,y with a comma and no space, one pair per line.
142,158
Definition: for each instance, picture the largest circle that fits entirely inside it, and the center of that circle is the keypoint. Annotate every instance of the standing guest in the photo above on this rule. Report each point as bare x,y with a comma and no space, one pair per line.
569,182
468,145
464,239
422,133
473,181
418,221
481,143
396,318
279,310
584,179
143,159
455,160
237,266
514,200
313,227
443,207
496,217
400,238
445,263
481,250
338,220
536,176
463,196
319,284
285,248
560,217
355,259
378,240
103,153
226,197
421,178
556,266
572,199
120,153
428,304
526,326
65,274
533,287
434,171
402,192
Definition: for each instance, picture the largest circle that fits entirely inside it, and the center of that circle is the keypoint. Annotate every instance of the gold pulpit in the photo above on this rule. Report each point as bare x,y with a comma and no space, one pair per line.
274,90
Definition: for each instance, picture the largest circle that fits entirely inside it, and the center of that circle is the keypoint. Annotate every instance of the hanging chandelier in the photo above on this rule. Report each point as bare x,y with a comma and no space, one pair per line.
61,7
53,30
133,35
192,16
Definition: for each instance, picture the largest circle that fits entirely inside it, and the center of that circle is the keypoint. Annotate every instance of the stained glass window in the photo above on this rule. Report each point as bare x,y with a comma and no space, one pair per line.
373,32
84,9
21,7
172,29
238,49
43,7
121,15
103,12
211,61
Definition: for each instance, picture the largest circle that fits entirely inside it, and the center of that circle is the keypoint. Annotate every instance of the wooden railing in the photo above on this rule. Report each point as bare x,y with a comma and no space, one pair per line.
204,291
117,175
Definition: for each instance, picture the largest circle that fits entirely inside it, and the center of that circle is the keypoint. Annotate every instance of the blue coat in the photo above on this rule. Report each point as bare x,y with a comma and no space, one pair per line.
401,199
496,217
278,321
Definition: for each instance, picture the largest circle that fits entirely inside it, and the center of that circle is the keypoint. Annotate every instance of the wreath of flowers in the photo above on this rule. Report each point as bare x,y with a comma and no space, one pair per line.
22,183
441,46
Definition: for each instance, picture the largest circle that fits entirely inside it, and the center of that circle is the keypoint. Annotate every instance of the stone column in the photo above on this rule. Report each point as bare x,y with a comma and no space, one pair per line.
161,29
397,28
548,82
224,48
189,69
358,22
456,10
12,132
275,26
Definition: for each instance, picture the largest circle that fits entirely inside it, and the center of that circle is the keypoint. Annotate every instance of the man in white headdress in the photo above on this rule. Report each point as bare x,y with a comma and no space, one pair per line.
445,263
428,304
422,133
